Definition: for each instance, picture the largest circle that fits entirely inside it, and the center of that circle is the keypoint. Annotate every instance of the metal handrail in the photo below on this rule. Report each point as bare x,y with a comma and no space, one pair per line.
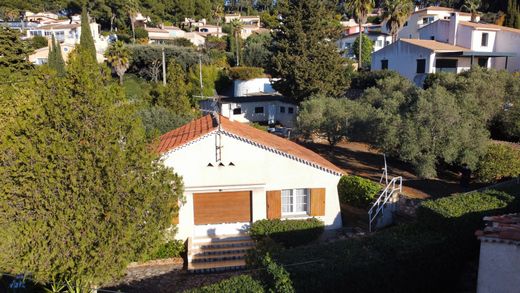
383,198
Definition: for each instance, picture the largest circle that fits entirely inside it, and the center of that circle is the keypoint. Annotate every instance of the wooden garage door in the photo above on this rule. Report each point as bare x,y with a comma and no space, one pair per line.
222,207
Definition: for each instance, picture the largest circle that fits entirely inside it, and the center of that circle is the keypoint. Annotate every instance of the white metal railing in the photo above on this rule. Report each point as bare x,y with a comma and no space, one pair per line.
395,185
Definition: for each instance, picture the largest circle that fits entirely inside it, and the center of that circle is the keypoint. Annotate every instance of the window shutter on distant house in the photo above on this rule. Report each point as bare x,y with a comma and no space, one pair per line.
317,202
274,204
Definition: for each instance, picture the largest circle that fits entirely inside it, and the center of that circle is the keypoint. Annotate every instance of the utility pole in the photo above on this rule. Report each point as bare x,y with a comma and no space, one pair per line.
163,67
237,35
200,77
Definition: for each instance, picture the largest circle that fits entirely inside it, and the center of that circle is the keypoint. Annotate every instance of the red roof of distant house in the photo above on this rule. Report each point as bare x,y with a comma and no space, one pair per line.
505,228
206,124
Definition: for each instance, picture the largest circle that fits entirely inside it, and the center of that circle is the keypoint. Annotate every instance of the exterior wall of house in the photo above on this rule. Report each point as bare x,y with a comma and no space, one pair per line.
498,268
253,86
255,168
416,21
507,41
438,30
476,41
402,59
271,114
380,41
463,64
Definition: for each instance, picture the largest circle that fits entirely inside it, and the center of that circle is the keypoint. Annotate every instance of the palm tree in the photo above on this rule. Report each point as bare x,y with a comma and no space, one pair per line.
237,32
360,9
472,6
218,12
395,13
118,56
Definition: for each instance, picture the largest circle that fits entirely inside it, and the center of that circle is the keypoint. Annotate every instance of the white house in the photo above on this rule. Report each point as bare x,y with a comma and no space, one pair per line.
69,34
451,45
425,16
379,39
499,263
165,33
255,100
235,174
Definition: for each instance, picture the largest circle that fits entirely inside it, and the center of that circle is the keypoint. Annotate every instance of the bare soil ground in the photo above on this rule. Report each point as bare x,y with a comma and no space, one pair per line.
361,160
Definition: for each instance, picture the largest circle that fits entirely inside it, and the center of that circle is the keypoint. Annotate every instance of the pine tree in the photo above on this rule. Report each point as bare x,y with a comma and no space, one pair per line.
51,57
86,39
305,56
14,53
81,195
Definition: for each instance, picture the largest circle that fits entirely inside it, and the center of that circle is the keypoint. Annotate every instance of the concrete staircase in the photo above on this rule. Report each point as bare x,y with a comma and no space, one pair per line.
218,253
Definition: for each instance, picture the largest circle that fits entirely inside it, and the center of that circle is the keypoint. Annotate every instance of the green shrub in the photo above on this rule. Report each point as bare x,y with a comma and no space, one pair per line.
245,73
263,247
357,191
289,233
277,278
140,33
500,161
173,248
38,42
238,284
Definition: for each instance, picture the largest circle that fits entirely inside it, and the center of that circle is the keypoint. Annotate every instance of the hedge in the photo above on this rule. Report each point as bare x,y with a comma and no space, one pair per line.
500,161
245,73
238,284
357,191
170,249
289,233
424,256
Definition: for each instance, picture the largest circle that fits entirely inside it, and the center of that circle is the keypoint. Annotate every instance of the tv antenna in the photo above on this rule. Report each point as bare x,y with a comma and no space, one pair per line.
214,111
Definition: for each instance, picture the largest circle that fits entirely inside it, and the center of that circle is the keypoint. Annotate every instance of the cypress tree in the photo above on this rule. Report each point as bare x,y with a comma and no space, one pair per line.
60,63
81,194
51,58
86,40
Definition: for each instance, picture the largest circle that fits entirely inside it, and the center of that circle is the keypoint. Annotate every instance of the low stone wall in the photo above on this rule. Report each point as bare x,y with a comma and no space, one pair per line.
153,268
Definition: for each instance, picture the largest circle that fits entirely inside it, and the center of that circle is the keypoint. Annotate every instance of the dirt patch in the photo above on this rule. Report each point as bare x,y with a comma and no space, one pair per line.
360,159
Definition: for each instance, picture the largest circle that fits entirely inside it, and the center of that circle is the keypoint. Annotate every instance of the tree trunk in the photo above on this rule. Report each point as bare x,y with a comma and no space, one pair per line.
360,45
121,79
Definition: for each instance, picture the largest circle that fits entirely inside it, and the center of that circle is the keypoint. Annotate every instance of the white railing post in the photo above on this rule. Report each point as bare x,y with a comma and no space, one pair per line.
383,198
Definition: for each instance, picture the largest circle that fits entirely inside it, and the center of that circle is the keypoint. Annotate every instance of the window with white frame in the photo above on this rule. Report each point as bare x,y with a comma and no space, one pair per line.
295,201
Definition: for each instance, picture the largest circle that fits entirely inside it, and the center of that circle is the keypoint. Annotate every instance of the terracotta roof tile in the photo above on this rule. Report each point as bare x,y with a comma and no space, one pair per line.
206,124
504,228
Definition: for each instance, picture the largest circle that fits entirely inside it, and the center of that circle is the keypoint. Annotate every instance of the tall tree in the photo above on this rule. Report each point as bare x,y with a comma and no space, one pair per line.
118,56
81,195
175,94
236,41
472,7
218,13
55,59
360,9
305,56
395,14
15,53
367,49
86,41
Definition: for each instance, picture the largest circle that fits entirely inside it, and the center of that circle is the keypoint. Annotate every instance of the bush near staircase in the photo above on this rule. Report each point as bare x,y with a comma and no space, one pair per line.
356,191
238,284
289,233
425,256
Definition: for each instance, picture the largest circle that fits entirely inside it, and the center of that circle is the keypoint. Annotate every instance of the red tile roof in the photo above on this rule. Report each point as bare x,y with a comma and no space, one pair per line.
206,124
505,228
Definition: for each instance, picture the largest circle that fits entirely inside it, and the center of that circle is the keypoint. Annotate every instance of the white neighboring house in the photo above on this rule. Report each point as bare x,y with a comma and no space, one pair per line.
235,174
425,16
255,100
165,33
499,263
379,39
69,35
451,46
250,24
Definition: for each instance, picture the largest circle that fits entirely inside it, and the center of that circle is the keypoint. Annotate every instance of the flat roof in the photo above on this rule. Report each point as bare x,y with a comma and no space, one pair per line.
258,98
435,46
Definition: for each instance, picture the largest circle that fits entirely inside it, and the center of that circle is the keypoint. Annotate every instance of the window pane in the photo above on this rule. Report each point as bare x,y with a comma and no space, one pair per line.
286,201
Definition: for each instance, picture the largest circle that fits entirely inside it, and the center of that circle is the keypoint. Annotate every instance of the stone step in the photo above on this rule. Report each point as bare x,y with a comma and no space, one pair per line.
221,238
222,244
217,266
221,250
218,257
